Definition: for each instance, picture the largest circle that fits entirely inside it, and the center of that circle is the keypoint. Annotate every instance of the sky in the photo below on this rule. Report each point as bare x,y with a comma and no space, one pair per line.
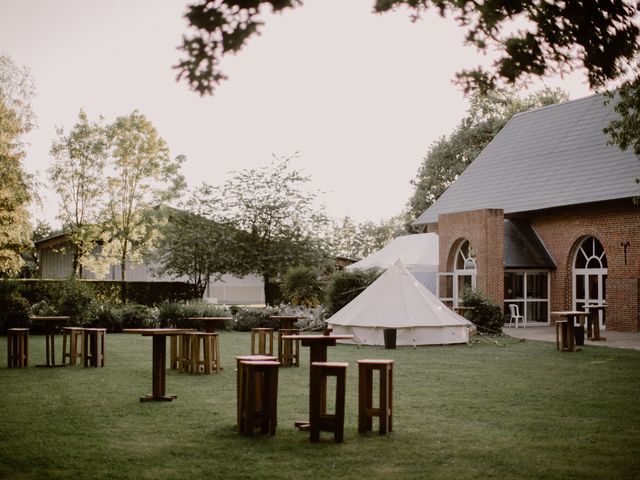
359,97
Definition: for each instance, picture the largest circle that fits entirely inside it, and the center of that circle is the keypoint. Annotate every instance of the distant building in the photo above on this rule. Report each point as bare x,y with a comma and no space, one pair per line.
544,218
55,263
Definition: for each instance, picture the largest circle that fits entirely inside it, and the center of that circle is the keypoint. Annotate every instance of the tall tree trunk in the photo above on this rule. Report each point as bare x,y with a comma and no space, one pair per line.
123,283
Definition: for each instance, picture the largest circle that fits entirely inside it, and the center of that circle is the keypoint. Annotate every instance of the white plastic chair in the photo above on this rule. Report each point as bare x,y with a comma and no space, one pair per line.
515,315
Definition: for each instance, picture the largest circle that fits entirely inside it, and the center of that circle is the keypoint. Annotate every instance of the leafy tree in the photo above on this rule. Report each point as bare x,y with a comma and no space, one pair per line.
555,37
357,240
196,247
143,177
301,287
450,155
344,286
78,177
625,131
277,220
16,119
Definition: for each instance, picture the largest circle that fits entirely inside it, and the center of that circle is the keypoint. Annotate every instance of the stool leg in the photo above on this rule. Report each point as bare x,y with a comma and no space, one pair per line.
384,395
103,351
64,347
273,400
340,400
315,404
173,352
207,355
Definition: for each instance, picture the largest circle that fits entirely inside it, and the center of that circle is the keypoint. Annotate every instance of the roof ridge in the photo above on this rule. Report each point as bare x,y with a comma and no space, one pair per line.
559,104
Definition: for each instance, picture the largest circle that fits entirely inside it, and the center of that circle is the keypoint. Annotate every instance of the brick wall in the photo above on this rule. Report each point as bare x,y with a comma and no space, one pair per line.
485,231
562,230
614,224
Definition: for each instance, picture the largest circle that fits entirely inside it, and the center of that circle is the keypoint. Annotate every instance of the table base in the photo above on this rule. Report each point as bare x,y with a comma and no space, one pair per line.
158,398
303,425
50,366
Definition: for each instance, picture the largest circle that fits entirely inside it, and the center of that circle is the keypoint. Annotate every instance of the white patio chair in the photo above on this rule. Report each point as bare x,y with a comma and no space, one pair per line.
515,315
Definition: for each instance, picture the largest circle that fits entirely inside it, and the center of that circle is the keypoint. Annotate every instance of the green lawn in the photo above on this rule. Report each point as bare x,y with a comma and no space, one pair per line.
508,411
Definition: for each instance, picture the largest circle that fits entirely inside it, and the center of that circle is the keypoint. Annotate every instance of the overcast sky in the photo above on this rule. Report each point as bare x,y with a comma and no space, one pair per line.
359,96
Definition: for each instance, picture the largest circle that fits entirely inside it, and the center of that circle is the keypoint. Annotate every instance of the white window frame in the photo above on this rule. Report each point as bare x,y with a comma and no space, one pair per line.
585,272
525,300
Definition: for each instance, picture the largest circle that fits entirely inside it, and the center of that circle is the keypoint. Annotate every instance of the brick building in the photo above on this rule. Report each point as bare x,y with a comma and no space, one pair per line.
544,218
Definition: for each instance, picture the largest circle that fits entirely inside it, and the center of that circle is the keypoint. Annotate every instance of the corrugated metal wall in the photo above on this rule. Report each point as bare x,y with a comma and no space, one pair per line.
229,289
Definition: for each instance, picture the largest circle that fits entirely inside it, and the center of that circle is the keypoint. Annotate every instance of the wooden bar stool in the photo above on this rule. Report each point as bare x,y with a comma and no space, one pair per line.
288,350
259,397
180,351
74,337
319,418
366,410
209,360
93,347
17,347
561,335
246,358
261,335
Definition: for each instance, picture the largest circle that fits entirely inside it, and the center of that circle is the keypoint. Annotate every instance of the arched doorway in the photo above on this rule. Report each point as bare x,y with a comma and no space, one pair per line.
590,275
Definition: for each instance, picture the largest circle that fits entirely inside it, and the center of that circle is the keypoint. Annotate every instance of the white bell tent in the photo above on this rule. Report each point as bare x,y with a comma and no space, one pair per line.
397,300
418,253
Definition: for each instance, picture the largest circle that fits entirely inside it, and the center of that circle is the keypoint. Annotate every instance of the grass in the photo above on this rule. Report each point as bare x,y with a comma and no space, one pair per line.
517,411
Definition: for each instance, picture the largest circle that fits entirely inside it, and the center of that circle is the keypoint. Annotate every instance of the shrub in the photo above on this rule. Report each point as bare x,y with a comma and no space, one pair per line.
177,314
14,308
134,315
301,287
116,317
344,286
486,315
74,300
247,318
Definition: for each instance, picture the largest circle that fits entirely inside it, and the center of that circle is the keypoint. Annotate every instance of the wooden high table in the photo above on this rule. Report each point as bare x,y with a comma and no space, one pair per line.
159,367
211,323
318,345
51,325
594,319
571,315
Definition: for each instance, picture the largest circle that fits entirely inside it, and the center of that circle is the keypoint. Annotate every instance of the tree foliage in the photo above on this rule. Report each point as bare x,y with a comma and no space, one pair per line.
143,176
450,155
625,131
77,175
195,247
277,220
552,37
16,119
357,240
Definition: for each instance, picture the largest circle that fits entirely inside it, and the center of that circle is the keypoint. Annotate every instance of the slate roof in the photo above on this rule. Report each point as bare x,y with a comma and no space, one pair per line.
523,248
550,157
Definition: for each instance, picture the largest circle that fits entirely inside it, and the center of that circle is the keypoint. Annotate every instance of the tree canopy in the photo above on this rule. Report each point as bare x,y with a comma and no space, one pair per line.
535,38
77,175
16,119
356,240
142,177
450,155
276,219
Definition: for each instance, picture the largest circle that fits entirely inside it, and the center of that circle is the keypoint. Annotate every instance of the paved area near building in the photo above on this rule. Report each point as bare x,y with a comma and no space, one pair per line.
548,334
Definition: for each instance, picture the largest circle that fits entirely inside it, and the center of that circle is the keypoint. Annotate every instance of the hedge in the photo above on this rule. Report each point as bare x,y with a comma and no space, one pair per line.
143,293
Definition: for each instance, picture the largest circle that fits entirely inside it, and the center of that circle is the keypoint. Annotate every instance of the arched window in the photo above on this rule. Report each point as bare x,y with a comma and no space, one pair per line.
466,257
465,270
451,285
590,275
